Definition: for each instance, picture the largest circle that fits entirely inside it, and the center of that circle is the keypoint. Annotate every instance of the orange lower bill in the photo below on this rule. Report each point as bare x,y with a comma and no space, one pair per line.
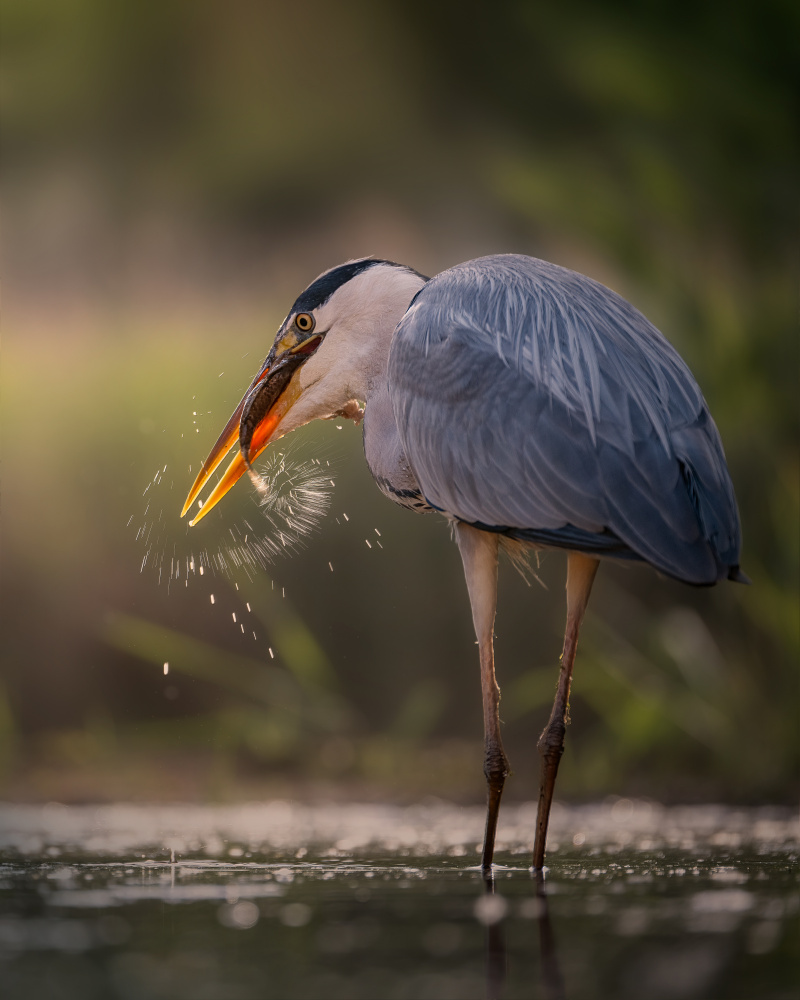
224,443
230,435
238,467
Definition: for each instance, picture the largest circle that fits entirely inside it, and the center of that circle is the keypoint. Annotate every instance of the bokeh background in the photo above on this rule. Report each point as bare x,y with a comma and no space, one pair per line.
173,175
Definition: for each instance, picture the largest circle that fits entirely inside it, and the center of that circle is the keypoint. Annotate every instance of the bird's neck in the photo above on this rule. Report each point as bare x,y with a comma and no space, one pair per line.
353,360
379,302
384,452
382,447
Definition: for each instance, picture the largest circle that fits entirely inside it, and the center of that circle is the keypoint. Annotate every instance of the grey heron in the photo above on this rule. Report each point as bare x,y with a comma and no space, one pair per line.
528,404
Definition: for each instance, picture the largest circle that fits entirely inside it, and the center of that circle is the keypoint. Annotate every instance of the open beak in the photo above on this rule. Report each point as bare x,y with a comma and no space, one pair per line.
224,444
271,395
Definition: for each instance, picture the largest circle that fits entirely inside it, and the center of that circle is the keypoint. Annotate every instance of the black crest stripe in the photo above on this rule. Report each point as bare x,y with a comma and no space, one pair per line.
326,284
320,291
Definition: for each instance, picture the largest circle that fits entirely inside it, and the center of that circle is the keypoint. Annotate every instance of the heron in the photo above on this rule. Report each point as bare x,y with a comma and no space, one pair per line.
528,404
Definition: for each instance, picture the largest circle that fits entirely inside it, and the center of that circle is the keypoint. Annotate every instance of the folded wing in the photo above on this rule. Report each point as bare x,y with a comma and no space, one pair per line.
534,401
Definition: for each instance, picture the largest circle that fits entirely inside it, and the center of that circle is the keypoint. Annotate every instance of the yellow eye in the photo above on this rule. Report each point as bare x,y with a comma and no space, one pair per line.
304,322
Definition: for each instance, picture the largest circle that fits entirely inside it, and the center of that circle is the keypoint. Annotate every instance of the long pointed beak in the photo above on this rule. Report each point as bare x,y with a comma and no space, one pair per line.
271,395
224,443
238,466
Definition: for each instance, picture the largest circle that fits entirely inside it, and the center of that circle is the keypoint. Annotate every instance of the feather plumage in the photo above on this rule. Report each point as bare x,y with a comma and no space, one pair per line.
534,401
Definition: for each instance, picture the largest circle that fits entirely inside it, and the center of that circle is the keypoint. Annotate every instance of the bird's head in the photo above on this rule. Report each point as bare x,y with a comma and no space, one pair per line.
331,349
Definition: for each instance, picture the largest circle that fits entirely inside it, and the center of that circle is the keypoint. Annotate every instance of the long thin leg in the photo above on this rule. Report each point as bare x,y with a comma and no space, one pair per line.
479,555
581,570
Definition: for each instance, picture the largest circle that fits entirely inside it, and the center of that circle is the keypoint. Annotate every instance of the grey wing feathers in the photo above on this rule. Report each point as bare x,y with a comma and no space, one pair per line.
532,400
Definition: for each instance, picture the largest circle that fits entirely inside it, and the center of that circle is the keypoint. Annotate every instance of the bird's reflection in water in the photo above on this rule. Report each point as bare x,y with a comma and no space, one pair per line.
491,910
552,980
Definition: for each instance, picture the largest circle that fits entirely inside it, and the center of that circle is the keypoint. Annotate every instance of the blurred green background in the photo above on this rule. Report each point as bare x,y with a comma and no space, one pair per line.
173,175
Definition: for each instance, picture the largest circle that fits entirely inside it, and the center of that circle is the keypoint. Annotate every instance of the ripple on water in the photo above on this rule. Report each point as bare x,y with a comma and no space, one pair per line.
435,829
293,901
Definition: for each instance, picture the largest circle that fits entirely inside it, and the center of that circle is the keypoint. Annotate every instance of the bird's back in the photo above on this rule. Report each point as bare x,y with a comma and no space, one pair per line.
534,401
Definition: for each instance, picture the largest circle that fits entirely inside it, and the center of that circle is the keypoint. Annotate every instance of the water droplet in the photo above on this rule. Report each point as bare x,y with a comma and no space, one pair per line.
212,598
166,669
331,566
233,615
271,654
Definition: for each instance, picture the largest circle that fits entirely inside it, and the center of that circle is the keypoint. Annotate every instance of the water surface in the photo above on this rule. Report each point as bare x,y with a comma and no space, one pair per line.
290,901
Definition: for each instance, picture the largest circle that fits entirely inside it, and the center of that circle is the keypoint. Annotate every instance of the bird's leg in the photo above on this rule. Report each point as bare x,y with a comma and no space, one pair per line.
479,554
581,570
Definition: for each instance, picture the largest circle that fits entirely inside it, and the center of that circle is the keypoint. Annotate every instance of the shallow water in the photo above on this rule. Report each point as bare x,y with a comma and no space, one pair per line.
290,901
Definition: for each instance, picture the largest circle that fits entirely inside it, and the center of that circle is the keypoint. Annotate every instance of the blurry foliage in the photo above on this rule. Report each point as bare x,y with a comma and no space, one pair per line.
651,145
277,689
